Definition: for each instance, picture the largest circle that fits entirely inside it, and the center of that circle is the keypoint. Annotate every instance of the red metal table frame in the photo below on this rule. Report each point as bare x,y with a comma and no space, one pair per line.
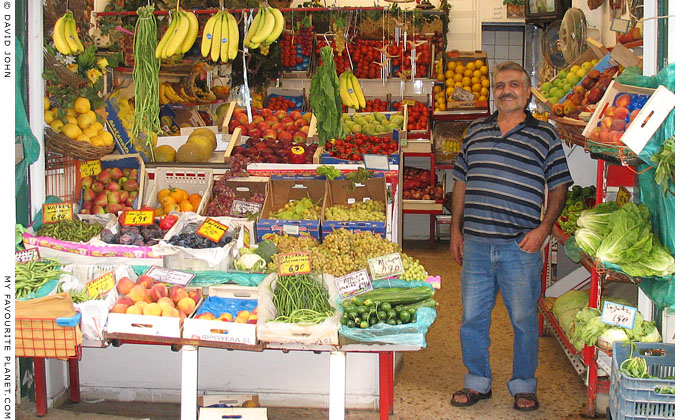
40,383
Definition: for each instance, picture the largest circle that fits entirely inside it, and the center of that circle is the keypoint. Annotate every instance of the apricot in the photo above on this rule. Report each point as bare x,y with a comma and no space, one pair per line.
152,309
166,301
124,285
195,295
186,305
177,293
620,113
145,280
225,316
206,315
119,308
169,311
134,310
125,300
137,293
158,291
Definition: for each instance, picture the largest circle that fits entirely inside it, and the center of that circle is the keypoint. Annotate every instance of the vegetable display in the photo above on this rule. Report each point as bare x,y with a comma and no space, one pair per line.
70,230
301,300
325,98
577,200
29,277
392,306
353,147
665,174
589,328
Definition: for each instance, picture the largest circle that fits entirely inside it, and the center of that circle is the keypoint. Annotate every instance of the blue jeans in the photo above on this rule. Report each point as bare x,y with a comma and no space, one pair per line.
487,267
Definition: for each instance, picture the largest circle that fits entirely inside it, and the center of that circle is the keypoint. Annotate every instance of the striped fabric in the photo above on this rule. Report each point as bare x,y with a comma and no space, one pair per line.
506,176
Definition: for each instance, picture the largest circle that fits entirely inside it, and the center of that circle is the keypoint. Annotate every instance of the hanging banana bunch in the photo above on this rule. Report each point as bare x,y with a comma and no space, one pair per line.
350,91
65,35
265,29
180,35
220,37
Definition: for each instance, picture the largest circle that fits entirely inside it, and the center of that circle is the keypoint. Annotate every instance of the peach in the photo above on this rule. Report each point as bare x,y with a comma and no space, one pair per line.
171,312
604,135
125,300
225,316
243,314
181,314
145,280
608,112
615,137
618,125
594,135
240,320
623,100
148,298
633,115
186,305
142,304
119,308
124,285
206,315
195,295
607,122
252,319
158,291
166,301
152,309
137,293
134,310
177,292
620,113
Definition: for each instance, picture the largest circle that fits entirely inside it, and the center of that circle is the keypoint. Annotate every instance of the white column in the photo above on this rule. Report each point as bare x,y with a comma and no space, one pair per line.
336,405
34,64
188,382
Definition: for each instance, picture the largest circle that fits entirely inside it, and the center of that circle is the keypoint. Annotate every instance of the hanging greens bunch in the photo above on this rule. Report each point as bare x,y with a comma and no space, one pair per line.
325,98
665,174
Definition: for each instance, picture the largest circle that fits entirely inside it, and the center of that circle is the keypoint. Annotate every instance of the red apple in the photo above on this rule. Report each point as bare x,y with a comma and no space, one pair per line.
124,195
292,128
270,134
114,208
243,118
87,205
244,130
299,137
263,126
130,185
258,119
287,121
113,197
129,201
115,173
266,113
97,210
254,133
301,122
103,177
285,135
101,199
278,127
271,120
295,115
97,187
88,196
113,186
86,183
304,129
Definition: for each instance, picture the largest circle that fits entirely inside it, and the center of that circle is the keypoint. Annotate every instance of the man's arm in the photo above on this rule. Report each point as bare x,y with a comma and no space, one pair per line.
457,213
534,239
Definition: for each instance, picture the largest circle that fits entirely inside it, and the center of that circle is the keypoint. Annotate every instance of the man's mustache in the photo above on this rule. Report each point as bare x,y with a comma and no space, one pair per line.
507,96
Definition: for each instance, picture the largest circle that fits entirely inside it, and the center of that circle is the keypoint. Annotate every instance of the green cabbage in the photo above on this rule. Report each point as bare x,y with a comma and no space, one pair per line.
572,299
588,240
597,218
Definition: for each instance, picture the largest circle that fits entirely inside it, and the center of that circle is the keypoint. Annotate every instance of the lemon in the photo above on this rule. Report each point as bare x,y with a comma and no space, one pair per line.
485,83
82,105
82,137
441,77
451,65
46,103
438,95
484,91
97,141
467,88
71,120
86,119
71,112
469,73
466,81
442,100
478,64
98,126
57,125
477,73
442,107
475,80
450,90
482,98
107,138
48,117
438,88
89,131
450,74
460,69
484,70
470,66
71,130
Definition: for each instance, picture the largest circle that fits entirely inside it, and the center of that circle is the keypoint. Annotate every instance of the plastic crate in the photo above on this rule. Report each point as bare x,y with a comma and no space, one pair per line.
194,181
636,398
48,337
62,177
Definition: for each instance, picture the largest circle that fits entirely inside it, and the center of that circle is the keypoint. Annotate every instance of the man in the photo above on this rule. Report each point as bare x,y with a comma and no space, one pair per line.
497,231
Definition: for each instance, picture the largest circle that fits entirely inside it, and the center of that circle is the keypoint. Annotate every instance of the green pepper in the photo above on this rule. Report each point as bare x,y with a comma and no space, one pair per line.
398,322
364,324
391,321
362,309
357,320
350,323
404,316
386,306
344,320
391,314
347,303
382,315
352,314
368,302
412,311
398,308
357,301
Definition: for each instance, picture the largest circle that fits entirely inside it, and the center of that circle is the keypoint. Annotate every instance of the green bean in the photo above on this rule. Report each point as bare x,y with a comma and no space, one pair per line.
31,276
70,230
301,300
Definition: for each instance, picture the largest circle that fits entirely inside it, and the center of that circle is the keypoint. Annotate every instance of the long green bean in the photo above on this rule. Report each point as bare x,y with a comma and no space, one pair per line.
31,276
301,300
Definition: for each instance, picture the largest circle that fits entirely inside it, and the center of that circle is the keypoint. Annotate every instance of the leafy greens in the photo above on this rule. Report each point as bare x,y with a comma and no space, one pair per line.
325,98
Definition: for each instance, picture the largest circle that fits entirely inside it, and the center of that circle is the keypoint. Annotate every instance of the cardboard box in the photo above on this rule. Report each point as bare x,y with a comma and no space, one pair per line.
339,193
393,159
280,192
229,400
193,180
648,120
223,331
206,413
132,160
243,188
465,57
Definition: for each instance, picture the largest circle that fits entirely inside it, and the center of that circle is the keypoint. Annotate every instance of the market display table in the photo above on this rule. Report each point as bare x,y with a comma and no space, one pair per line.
336,406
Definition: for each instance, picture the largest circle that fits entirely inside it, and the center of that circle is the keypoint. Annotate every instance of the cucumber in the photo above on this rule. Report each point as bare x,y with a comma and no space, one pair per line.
398,295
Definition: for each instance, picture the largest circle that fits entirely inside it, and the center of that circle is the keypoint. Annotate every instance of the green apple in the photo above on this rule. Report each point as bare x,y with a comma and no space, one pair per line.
562,74
553,100
546,87
572,78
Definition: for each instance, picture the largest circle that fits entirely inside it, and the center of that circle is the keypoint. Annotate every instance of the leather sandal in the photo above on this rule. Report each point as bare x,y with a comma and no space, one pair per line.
528,397
471,395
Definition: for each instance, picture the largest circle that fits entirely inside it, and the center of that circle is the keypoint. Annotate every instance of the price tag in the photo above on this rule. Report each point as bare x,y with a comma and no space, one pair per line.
212,230
353,284
376,162
294,263
26,255
291,230
241,208
623,196
90,168
386,266
618,315
100,285
138,217
168,276
58,211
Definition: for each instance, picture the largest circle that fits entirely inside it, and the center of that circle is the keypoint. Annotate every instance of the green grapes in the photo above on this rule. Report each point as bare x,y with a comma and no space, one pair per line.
370,211
413,269
303,209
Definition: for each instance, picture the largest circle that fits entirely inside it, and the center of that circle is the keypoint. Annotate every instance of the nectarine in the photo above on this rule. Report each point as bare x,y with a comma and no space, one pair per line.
225,316
623,100
186,305
158,291
166,301
177,292
195,295
145,280
137,293
171,312
620,113
125,300
119,308
124,285
206,315
152,309
134,310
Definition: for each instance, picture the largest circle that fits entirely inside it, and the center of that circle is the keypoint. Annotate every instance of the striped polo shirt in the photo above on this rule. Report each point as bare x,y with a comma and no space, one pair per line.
505,176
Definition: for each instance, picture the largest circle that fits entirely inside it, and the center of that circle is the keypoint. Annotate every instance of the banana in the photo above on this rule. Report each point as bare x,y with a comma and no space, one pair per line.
59,37
351,91
342,89
71,36
166,38
359,94
224,40
175,44
170,93
215,46
234,37
277,26
256,23
192,32
266,28
207,35
162,97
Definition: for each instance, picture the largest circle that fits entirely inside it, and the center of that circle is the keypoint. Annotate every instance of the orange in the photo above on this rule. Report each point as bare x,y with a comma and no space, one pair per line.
195,199
478,63
161,194
167,208
179,195
186,205
168,199
159,212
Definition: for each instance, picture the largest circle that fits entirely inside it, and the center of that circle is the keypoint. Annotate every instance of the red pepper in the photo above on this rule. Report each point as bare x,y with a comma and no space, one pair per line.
297,155
168,222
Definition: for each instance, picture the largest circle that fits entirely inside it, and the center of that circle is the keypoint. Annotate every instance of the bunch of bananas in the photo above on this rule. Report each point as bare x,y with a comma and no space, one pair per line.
180,35
167,94
221,37
265,29
65,35
351,92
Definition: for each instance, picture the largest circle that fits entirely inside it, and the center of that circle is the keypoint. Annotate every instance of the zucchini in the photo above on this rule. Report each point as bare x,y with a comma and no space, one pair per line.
399,295
428,302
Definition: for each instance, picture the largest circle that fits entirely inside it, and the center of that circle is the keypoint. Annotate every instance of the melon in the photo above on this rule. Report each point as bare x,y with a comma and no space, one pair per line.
191,152
164,153
204,143
208,133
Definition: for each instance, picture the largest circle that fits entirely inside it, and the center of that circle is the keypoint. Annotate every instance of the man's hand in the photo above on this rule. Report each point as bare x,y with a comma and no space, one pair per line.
456,246
534,239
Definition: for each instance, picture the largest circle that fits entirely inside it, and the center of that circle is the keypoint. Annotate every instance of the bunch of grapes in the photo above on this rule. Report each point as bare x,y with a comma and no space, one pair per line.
287,244
339,41
414,271
304,209
256,198
373,211
264,49
223,196
238,165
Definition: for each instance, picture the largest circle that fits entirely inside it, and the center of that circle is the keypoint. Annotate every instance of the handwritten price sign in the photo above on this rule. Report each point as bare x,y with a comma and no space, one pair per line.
90,168
168,276
26,255
353,284
386,266
212,230
138,217
618,315
53,213
293,264
241,208
623,196
100,285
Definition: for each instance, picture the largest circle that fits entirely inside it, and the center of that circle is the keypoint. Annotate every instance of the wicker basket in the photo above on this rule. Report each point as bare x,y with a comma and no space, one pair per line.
81,150
570,130
65,76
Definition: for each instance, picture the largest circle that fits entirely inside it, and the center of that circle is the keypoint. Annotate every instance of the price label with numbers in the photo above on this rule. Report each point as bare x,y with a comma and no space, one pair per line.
618,315
138,217
353,284
168,276
242,208
294,263
53,213
623,196
100,285
386,266
212,230
90,168
27,255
